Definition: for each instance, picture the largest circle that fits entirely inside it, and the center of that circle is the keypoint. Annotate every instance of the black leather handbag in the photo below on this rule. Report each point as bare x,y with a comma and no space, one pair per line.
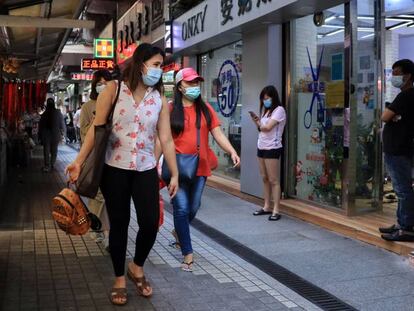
187,164
91,173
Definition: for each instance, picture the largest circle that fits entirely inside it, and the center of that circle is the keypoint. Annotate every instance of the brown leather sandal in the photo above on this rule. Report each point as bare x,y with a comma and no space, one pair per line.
141,284
119,296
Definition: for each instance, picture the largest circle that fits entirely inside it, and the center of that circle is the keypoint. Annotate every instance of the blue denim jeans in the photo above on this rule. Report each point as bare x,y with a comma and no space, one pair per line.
186,204
399,168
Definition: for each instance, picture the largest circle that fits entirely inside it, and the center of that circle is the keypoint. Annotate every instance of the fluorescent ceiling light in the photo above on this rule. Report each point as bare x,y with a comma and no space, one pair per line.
334,32
396,26
393,19
331,18
333,26
410,25
406,16
367,36
365,29
390,19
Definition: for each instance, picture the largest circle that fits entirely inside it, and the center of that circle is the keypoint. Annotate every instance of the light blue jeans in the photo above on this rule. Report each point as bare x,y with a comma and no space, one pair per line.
186,204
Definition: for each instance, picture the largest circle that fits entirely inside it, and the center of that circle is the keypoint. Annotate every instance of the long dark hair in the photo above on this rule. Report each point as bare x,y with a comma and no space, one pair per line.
270,91
97,76
133,72
49,114
177,113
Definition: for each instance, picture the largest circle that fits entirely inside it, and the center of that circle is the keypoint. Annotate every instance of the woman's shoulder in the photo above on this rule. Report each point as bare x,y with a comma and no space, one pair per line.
279,110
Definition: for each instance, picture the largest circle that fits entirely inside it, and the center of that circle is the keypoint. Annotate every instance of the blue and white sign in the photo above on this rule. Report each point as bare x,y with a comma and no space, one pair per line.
228,88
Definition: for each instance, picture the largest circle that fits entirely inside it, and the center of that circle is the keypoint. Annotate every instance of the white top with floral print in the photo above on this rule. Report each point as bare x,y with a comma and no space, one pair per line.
132,141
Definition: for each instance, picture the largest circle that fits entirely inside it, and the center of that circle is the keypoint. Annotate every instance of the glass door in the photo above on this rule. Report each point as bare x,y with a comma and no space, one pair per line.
365,83
316,108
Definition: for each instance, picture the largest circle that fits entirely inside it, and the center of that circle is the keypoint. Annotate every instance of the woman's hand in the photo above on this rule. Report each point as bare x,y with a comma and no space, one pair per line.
73,170
236,159
173,186
254,117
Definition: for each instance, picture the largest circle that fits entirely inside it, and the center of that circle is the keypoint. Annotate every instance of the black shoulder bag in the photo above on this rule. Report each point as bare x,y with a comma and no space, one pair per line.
90,176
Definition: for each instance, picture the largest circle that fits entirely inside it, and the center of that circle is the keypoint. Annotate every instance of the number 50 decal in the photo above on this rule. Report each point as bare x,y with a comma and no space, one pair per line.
229,88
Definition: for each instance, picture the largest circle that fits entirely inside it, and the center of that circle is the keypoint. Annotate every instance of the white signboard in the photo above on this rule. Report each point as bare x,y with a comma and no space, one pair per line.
212,17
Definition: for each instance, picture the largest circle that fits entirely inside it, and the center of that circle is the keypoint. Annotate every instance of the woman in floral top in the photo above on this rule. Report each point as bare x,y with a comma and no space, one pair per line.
130,166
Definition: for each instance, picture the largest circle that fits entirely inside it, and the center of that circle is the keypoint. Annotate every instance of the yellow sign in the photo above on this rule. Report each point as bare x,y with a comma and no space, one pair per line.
335,94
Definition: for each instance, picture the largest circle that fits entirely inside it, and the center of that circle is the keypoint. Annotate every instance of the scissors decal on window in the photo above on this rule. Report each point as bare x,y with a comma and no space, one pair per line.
316,87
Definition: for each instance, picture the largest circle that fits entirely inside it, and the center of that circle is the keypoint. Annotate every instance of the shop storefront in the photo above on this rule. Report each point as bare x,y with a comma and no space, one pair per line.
222,71
332,65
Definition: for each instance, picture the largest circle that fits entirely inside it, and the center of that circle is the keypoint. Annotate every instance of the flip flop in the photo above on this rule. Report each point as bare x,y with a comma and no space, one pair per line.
187,266
119,294
275,217
261,212
175,245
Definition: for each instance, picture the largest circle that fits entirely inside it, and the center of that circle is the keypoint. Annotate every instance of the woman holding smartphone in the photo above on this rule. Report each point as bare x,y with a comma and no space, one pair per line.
269,148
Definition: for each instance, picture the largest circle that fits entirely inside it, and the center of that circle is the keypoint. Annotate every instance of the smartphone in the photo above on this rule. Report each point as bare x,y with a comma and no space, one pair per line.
252,113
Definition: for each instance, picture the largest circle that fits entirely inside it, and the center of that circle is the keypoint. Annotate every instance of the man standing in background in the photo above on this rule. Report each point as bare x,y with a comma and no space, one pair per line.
398,150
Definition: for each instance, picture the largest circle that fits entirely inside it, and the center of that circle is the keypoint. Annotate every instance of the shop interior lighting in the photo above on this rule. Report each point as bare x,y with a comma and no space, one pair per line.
368,36
400,25
362,29
334,32
333,26
403,18
330,18
407,16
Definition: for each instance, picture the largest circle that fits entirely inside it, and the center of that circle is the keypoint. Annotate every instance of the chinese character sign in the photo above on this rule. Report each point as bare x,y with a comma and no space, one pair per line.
94,64
229,88
104,48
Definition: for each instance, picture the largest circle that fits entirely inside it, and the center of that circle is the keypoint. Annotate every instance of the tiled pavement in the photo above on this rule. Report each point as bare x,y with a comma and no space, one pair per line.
42,268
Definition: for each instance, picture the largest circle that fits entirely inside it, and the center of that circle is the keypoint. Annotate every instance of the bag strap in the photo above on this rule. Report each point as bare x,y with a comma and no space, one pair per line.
111,114
198,126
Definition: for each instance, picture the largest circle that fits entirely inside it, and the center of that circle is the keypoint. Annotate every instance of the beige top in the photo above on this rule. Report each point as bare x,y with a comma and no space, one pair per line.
86,117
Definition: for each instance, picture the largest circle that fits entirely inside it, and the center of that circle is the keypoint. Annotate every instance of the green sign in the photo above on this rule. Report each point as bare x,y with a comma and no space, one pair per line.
103,48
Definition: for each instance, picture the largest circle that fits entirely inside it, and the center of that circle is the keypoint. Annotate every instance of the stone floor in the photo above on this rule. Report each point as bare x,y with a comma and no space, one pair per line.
42,268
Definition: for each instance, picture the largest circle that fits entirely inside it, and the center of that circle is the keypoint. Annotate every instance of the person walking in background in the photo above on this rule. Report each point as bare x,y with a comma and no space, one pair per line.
141,113
269,148
51,128
187,105
70,129
76,124
87,115
100,78
397,136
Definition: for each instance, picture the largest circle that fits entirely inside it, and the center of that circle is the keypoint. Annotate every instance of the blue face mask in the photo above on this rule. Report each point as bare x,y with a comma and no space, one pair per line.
152,77
267,103
192,92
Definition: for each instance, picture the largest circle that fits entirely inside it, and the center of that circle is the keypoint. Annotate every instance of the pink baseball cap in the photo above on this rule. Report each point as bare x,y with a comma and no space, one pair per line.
187,74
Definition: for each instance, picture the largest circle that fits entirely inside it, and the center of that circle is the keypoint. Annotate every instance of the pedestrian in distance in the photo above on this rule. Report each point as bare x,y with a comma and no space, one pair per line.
397,136
141,113
87,115
51,129
192,119
270,125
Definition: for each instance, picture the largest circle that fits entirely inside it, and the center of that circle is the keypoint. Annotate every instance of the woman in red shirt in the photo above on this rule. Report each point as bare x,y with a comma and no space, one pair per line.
187,104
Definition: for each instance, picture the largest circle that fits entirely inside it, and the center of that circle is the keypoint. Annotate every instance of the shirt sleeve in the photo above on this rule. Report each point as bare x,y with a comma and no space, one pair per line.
278,114
215,121
398,105
85,120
